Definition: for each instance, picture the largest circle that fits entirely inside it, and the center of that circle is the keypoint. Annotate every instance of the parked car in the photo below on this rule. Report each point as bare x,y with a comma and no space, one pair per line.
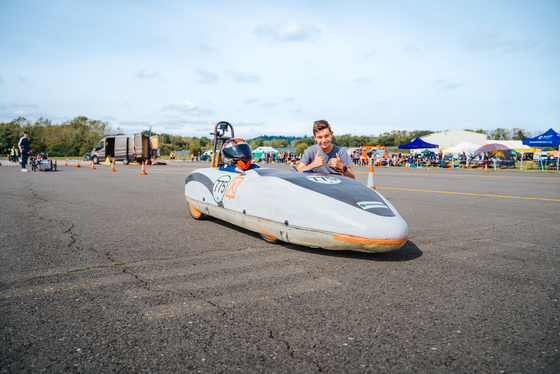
87,156
206,156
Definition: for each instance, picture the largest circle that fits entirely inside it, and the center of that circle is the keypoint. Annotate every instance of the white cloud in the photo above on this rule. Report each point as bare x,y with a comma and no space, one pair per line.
411,48
288,99
3,106
206,49
446,84
489,38
147,74
267,104
362,80
181,106
287,31
135,124
512,46
207,76
24,105
22,79
370,54
188,108
251,101
248,124
298,110
244,77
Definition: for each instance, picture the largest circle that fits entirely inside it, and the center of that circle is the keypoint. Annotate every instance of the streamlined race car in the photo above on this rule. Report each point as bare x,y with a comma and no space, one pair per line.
315,210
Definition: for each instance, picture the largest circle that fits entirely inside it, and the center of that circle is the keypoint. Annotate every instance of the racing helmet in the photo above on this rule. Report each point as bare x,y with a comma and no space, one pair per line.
236,152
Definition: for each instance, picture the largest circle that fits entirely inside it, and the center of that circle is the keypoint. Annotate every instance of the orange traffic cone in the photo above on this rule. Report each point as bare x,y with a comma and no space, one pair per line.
406,166
113,166
92,167
66,162
143,172
486,168
78,165
371,178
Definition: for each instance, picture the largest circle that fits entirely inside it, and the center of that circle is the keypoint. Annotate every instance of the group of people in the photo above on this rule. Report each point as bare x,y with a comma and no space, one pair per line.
280,157
13,154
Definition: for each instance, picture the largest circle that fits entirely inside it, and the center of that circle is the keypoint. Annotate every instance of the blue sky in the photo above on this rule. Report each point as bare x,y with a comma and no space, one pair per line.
275,67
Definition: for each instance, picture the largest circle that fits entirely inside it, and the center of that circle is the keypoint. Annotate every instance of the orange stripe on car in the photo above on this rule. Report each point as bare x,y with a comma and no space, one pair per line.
366,241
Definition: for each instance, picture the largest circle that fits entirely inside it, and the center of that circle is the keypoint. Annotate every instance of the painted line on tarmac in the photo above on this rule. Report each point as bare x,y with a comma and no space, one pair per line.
467,193
460,175
135,168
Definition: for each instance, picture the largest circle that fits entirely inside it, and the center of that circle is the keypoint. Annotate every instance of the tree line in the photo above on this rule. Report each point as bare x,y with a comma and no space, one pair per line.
70,138
81,134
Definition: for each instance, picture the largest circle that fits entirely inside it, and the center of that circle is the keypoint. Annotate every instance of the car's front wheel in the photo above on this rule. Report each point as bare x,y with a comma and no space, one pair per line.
195,213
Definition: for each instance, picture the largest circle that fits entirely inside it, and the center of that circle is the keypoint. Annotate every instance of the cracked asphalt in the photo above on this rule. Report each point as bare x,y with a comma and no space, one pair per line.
107,272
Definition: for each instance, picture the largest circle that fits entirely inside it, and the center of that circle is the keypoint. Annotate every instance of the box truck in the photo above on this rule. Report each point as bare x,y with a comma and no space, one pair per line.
126,148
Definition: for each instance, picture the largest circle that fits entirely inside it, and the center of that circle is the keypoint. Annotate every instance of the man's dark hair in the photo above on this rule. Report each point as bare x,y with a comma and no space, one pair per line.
320,125
26,132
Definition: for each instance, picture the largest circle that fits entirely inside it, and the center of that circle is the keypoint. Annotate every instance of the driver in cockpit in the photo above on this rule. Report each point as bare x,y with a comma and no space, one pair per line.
237,153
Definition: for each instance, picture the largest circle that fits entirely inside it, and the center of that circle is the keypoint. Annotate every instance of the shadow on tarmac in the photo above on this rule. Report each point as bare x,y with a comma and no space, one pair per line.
408,252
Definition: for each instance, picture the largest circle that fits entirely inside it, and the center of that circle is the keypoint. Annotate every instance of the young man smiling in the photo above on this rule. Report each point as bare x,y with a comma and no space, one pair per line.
325,157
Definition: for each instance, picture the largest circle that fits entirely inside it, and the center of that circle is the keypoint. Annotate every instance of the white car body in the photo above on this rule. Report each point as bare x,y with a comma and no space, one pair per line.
331,212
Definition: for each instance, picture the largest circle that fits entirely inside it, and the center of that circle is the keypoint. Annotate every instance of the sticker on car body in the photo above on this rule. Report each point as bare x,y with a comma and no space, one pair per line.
371,204
232,188
220,187
324,179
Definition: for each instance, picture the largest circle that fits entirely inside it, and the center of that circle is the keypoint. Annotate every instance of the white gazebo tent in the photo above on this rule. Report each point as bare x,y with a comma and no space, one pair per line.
461,147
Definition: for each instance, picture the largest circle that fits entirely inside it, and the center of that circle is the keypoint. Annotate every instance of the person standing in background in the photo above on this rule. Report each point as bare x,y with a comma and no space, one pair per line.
24,149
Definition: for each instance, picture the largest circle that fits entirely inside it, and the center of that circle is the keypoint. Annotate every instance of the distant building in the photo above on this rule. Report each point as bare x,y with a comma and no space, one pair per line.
449,139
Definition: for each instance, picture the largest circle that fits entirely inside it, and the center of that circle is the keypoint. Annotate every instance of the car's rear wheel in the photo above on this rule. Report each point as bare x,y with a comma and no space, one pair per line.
195,213
95,160
270,239
125,161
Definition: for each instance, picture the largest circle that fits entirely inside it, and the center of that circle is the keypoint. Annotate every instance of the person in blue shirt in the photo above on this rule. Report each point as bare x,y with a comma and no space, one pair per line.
237,153
24,150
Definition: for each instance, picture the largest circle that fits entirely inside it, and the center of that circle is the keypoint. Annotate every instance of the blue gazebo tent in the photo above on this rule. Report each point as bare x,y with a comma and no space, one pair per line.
418,144
548,139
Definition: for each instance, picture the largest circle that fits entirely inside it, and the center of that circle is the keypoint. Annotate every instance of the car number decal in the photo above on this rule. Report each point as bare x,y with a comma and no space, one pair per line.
219,189
324,179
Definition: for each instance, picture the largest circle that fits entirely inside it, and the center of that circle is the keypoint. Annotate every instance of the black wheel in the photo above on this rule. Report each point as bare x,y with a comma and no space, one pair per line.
270,239
125,162
95,160
196,214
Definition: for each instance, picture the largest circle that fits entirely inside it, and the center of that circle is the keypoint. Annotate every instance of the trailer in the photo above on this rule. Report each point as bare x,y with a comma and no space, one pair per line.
126,148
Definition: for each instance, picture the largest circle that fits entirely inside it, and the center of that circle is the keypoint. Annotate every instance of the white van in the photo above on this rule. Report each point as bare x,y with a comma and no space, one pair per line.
537,156
126,148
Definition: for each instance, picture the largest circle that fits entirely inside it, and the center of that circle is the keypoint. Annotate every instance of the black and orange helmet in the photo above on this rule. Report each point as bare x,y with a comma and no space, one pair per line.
236,152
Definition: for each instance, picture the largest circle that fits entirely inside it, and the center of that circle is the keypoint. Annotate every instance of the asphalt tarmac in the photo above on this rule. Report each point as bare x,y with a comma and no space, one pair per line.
107,272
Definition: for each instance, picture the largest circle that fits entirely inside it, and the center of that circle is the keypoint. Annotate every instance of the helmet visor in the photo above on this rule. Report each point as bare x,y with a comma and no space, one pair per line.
238,151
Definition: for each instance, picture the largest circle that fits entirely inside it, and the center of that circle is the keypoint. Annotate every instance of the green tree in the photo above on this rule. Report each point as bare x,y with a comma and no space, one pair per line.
499,134
195,148
300,148
519,134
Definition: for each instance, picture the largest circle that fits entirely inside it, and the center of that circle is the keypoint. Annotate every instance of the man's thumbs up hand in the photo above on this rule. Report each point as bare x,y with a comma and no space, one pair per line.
319,161
336,162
